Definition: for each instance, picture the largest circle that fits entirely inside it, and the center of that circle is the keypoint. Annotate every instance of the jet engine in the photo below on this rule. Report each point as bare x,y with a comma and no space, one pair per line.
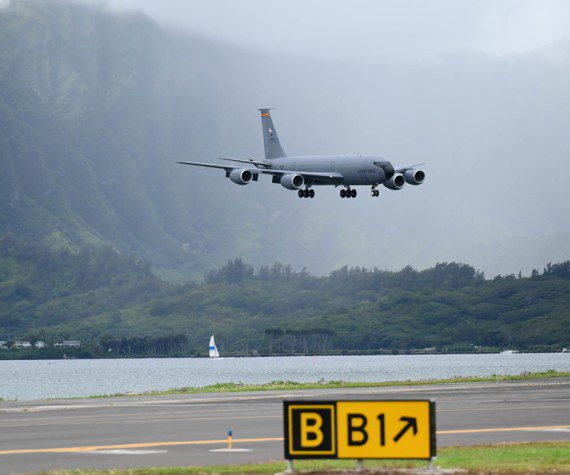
396,182
241,176
414,177
292,181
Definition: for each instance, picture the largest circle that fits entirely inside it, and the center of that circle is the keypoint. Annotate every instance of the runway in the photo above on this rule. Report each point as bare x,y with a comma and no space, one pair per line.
183,430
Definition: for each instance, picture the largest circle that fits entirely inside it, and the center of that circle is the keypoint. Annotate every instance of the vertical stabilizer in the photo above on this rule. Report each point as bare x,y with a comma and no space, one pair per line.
271,142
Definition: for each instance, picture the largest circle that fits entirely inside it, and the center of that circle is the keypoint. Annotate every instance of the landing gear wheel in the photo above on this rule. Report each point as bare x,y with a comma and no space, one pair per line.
300,193
305,193
353,193
311,193
375,193
343,193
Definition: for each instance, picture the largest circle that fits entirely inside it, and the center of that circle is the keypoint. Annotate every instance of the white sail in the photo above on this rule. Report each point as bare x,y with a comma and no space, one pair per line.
213,349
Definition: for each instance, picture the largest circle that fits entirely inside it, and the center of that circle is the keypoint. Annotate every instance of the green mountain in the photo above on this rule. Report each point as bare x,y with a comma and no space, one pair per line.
42,287
95,109
102,295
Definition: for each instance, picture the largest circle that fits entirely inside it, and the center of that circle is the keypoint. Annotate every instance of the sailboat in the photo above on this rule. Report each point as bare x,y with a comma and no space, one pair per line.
508,350
213,349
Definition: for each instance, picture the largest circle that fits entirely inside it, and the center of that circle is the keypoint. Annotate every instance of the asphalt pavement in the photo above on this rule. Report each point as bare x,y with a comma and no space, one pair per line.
185,430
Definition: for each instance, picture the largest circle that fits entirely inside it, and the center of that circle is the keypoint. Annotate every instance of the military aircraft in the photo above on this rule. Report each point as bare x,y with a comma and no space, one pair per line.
301,173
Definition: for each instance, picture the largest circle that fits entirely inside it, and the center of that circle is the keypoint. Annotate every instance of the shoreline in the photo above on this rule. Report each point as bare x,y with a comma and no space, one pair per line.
292,385
12,355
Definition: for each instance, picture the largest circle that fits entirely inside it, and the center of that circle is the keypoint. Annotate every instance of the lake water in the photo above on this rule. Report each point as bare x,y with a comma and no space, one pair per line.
41,379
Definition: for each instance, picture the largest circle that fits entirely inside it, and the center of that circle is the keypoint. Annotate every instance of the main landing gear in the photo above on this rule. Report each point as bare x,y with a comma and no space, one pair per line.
348,193
374,192
306,193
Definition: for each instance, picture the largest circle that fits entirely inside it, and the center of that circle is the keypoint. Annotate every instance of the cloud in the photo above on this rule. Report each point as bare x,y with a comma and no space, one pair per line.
368,29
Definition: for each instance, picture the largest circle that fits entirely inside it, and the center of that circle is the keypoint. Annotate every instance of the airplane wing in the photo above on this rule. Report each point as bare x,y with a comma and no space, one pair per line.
409,167
209,165
309,176
249,162
315,176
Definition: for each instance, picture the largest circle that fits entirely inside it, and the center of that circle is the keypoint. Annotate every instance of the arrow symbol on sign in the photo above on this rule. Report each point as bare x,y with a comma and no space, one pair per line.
411,423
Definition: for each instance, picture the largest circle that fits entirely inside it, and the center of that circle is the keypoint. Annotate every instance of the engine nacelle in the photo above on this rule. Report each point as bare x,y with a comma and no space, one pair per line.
414,177
397,182
292,181
241,176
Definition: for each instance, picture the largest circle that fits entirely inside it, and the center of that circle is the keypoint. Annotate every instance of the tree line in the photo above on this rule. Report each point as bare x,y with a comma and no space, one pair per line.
121,306
169,345
305,342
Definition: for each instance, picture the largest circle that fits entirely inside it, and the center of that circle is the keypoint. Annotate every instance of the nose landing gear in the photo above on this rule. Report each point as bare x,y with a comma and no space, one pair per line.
374,192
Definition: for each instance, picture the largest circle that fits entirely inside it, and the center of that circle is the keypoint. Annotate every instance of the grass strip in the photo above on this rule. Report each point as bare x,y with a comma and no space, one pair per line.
535,457
293,385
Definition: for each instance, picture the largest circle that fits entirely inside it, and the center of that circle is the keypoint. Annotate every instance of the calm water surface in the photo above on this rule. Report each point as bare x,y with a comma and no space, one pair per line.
71,378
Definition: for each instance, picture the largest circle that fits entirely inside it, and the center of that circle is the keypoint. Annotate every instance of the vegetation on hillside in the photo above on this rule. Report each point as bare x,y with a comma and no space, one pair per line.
95,110
42,287
104,297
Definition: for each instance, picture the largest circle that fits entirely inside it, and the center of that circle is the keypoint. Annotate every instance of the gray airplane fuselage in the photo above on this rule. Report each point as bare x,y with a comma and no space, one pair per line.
355,169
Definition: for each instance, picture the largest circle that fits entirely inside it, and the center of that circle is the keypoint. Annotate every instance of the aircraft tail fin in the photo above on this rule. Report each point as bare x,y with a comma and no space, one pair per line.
271,142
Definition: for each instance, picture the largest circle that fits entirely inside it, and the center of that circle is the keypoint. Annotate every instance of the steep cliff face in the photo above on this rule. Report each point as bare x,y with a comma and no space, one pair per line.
94,111
59,144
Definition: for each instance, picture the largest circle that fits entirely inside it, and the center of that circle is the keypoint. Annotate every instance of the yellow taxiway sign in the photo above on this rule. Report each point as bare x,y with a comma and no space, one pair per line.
360,429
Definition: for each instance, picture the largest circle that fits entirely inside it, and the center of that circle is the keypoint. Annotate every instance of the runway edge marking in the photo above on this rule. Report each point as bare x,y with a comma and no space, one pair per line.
253,440
137,445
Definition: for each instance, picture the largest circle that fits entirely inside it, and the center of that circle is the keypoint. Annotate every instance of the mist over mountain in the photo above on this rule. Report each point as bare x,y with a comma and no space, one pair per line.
96,107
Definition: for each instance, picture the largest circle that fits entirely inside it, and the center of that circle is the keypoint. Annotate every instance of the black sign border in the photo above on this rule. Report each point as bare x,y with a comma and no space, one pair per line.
288,455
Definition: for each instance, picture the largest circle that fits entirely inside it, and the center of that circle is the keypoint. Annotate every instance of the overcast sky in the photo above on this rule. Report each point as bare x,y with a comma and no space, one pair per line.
368,29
